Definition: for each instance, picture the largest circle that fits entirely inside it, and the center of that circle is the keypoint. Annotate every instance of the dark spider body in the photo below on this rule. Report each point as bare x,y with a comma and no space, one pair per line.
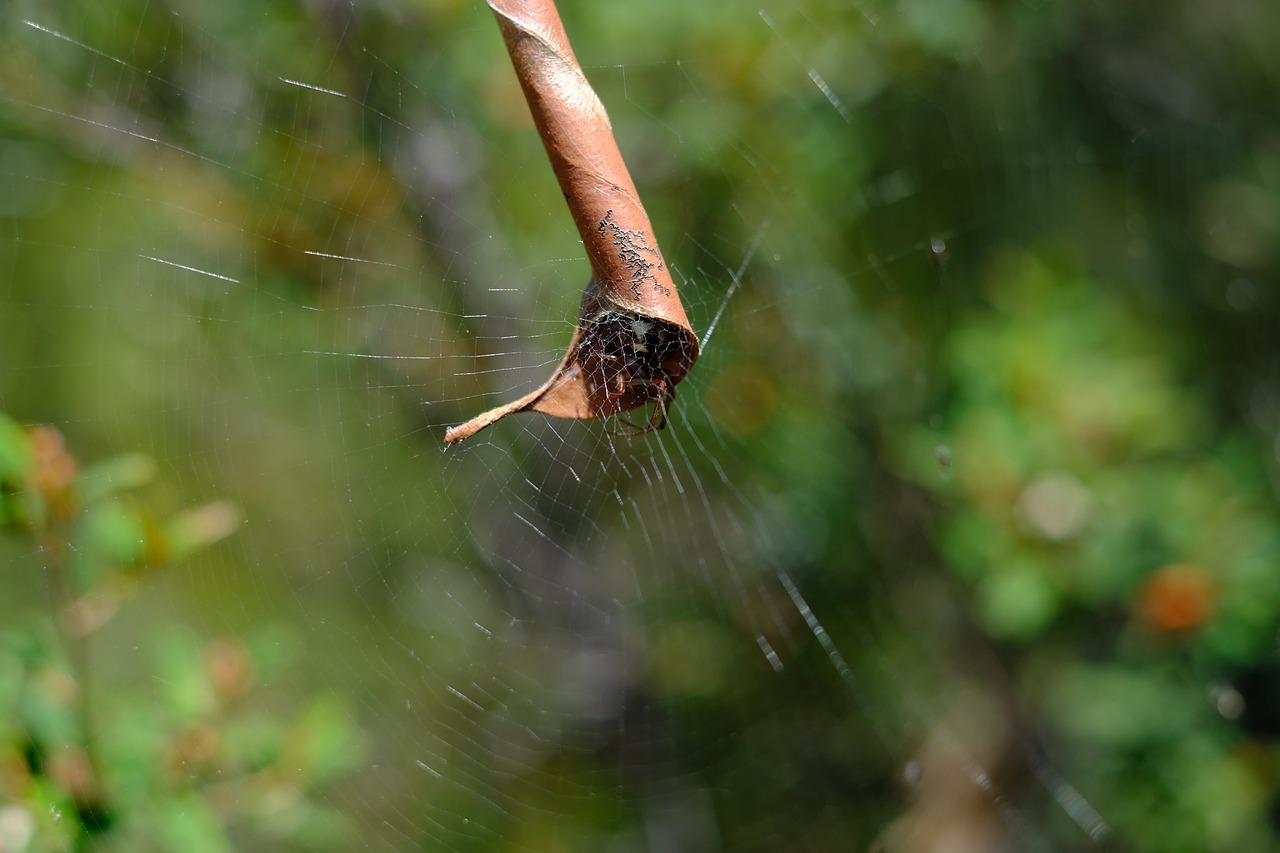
627,361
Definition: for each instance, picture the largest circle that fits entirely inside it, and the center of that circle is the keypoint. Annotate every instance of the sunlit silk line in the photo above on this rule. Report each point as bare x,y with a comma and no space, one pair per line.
78,44
109,127
1072,801
494,371
837,660
769,654
766,648
312,88
831,96
978,776
823,638
675,478
192,269
345,257
69,40
465,698
375,356
424,766
734,284
812,72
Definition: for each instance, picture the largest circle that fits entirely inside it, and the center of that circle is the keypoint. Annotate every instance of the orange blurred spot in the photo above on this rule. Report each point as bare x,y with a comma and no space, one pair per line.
1177,597
193,750
230,669
54,471
72,771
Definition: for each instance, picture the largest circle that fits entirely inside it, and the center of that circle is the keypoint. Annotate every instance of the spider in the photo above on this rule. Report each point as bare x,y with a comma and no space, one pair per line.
623,360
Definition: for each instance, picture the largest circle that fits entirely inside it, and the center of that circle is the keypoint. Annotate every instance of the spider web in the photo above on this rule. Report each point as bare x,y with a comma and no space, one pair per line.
282,249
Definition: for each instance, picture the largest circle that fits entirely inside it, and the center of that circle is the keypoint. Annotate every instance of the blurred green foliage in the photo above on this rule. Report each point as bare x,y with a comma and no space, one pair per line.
188,764
997,392
1092,499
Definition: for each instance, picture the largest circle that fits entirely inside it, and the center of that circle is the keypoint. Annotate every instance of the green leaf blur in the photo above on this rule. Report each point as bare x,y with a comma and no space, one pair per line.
978,468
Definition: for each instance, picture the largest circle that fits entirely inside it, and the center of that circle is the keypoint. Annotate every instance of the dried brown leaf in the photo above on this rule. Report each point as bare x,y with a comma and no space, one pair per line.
633,343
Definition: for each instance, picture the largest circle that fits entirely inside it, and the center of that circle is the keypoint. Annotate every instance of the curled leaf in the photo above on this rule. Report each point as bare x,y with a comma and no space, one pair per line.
633,343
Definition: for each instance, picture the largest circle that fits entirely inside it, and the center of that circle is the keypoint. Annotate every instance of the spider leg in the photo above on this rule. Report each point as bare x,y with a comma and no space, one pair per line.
658,420
661,393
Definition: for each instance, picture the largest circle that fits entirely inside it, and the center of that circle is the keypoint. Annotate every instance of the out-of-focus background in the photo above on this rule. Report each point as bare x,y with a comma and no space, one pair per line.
962,535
